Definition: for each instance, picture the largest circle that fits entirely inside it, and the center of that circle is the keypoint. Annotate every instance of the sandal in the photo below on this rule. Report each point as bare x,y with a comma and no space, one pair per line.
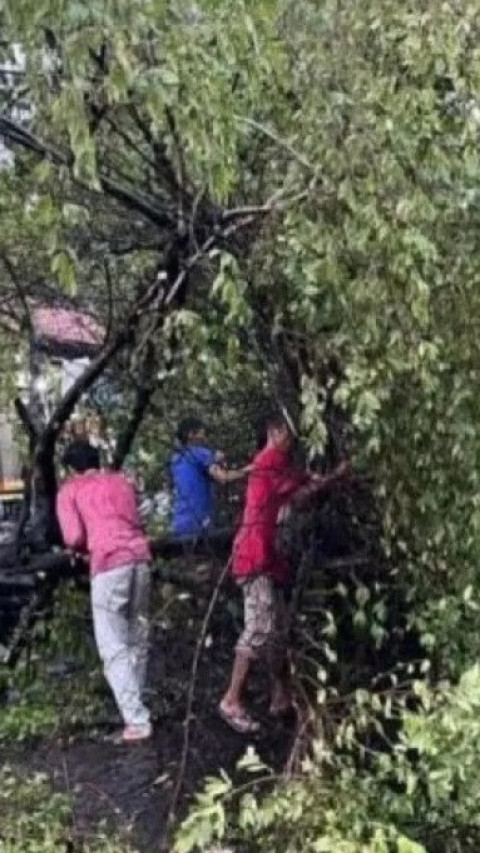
239,721
131,735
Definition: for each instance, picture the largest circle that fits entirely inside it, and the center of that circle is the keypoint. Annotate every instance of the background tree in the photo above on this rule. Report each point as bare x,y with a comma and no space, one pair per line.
123,223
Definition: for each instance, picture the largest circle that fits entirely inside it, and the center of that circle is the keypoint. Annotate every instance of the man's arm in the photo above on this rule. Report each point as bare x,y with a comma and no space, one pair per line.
71,524
223,475
318,483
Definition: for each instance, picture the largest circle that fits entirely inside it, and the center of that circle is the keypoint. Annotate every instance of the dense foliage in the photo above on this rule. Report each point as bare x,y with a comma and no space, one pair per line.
421,796
342,139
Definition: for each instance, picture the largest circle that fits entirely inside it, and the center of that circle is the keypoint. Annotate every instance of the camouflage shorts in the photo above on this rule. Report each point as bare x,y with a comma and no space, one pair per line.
265,617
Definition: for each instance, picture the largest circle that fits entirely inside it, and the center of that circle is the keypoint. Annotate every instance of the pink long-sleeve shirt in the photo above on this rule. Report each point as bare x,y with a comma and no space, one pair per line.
98,513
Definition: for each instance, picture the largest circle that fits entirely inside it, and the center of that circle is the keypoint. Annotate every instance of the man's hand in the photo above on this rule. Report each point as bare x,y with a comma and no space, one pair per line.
221,474
339,473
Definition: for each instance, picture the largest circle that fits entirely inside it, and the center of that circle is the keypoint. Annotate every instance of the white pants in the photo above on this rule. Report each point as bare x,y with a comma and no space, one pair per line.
120,607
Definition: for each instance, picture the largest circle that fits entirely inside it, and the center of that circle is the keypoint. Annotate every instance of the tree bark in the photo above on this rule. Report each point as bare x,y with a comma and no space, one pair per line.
127,437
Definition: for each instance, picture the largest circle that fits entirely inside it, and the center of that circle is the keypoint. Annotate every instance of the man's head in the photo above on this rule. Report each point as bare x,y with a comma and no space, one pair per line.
80,456
79,428
191,431
277,431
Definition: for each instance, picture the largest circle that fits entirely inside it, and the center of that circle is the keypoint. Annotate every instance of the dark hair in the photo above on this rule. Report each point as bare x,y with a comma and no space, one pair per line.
81,456
274,418
187,426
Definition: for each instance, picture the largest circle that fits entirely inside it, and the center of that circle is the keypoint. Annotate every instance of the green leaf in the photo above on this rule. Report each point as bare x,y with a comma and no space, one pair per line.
63,267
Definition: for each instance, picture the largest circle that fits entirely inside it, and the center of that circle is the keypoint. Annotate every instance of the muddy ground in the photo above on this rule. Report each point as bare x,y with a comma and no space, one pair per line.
131,787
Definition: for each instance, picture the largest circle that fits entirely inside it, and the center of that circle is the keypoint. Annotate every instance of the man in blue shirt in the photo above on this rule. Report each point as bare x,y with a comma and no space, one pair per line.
194,468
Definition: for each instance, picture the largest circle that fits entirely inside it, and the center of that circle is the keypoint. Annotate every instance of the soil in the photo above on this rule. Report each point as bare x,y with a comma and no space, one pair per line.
131,787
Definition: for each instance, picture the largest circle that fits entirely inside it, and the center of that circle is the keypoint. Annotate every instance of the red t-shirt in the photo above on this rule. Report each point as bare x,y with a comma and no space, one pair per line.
271,483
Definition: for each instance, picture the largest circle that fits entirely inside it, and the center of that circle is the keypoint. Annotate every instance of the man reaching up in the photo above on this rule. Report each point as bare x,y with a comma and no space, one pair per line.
263,573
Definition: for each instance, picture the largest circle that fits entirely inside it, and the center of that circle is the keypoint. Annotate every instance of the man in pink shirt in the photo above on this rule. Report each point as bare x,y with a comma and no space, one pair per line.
98,513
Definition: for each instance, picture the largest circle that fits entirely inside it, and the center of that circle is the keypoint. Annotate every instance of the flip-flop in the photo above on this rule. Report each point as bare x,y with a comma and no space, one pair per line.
239,722
130,735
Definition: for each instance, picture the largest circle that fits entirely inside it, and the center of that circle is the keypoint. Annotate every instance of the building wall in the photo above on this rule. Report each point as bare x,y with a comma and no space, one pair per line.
11,77
9,454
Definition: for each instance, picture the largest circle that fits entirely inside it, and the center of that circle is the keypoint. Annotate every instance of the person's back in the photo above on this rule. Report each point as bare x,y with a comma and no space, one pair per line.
98,513
106,504
193,501
194,468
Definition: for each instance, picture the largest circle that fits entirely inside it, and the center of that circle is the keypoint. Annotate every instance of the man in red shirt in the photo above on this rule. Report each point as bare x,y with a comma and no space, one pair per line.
264,573
98,513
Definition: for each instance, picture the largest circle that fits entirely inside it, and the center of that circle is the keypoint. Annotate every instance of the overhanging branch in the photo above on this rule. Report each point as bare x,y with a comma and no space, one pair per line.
14,133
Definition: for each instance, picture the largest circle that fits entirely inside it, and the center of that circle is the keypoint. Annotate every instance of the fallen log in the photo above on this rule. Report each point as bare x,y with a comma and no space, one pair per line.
38,575
214,544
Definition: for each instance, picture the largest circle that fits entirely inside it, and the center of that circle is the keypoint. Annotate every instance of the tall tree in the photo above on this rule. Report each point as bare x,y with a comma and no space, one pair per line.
319,162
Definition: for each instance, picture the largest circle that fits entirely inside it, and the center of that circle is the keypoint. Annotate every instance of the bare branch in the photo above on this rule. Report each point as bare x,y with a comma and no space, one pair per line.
130,142
282,143
109,283
187,725
25,418
182,169
122,193
273,205
143,395
162,161
18,286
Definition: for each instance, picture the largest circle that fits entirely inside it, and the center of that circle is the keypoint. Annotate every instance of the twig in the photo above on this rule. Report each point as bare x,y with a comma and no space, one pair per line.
109,283
18,286
182,169
275,203
190,698
130,142
280,142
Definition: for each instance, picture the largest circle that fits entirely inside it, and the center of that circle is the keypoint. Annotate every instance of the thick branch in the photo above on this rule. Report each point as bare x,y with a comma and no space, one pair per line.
67,404
124,194
25,418
126,438
95,369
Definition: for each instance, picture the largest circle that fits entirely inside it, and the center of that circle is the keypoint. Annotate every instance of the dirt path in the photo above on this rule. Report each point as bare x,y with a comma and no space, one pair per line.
131,787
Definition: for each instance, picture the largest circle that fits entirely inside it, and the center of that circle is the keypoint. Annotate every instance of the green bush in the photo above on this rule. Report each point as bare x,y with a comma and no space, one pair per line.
422,796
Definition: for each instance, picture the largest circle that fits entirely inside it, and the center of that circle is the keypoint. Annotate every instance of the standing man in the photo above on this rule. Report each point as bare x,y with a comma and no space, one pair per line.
264,574
194,469
98,514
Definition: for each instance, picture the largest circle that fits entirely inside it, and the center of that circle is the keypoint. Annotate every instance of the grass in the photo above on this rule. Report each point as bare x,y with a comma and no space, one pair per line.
42,700
35,819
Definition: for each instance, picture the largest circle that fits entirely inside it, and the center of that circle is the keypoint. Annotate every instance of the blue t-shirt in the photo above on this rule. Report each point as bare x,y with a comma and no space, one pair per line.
192,490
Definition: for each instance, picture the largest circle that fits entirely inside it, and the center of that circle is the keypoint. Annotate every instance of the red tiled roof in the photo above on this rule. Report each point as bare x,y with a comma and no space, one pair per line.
64,326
